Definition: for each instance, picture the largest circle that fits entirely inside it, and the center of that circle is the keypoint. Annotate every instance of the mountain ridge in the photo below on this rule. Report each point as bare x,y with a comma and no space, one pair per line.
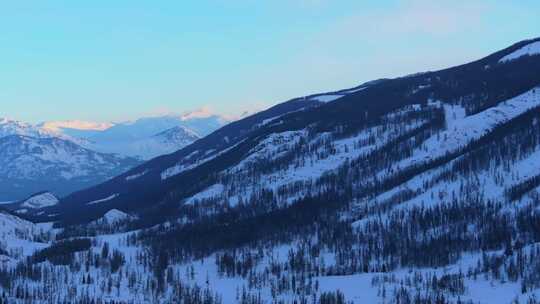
32,164
157,136
301,112
417,189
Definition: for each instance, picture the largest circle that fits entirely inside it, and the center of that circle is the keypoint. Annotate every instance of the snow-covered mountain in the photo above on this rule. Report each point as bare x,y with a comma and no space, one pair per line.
418,189
164,142
62,126
143,138
48,156
12,127
30,164
153,136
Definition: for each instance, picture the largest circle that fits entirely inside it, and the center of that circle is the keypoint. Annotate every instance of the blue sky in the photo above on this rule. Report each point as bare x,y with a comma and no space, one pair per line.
107,60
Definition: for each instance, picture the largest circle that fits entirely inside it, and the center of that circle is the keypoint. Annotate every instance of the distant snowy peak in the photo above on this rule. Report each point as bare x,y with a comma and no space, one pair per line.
204,112
41,200
144,138
528,50
29,165
201,124
13,127
204,125
163,142
178,133
9,127
58,126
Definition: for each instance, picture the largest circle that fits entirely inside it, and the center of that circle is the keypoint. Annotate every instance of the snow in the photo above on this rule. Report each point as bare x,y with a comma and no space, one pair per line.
351,91
57,126
182,167
41,200
337,95
275,118
268,120
16,235
453,114
52,159
314,163
203,112
491,189
209,192
165,142
528,50
462,130
420,88
179,168
487,182
13,127
136,175
113,216
355,288
108,198
326,98
273,146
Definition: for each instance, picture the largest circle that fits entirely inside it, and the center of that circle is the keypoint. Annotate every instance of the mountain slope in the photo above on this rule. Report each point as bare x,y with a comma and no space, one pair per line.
150,137
10,127
142,139
29,164
147,147
359,113
420,189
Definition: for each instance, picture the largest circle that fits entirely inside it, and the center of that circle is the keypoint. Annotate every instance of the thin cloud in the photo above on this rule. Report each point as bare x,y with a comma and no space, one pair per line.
412,17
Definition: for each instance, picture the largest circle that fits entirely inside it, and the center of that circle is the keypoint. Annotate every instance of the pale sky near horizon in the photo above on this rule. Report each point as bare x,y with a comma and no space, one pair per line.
116,60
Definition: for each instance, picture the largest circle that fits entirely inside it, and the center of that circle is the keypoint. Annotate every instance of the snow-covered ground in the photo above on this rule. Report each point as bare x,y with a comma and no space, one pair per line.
17,236
187,164
46,199
462,130
315,161
528,50
113,216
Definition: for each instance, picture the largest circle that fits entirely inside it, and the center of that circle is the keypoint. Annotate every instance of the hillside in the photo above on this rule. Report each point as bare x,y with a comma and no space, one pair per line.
418,189
33,164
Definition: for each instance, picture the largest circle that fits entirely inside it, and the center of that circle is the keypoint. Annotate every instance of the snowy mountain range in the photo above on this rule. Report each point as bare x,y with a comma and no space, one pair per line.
66,156
30,164
149,137
417,189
